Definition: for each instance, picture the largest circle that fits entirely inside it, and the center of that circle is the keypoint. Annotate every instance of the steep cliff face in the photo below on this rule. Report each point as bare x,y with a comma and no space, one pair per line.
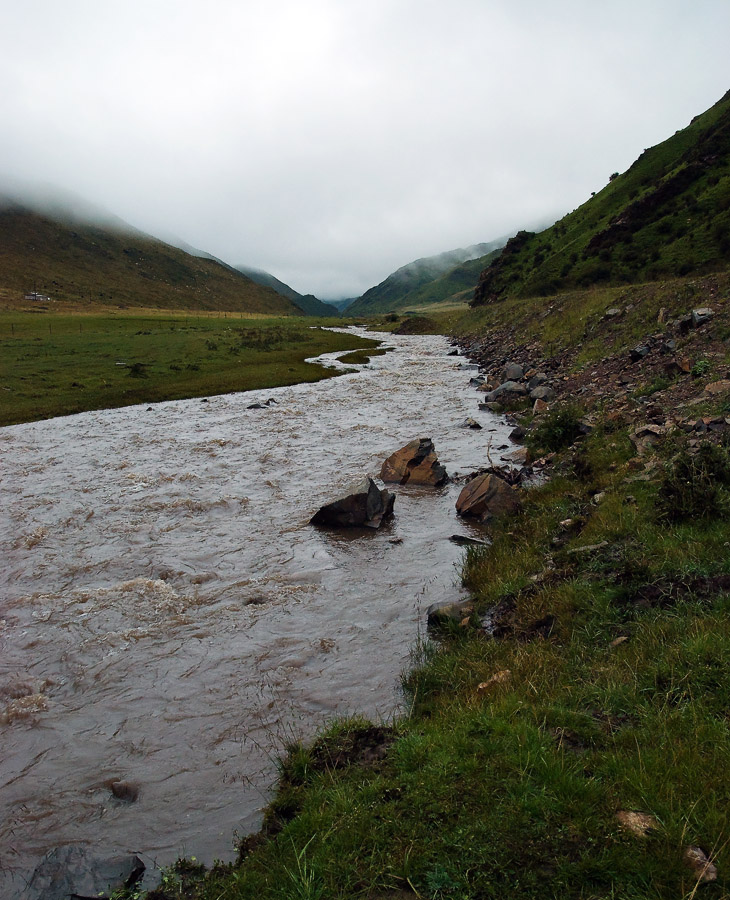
668,215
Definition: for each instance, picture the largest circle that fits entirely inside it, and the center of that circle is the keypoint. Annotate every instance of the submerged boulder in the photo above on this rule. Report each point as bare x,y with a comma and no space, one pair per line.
487,497
416,463
364,506
76,872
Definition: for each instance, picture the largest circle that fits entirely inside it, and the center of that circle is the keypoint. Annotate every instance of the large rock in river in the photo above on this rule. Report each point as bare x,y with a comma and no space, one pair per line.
416,463
487,497
365,506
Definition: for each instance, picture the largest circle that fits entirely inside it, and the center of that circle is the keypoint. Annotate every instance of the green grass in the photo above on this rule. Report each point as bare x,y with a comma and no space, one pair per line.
54,365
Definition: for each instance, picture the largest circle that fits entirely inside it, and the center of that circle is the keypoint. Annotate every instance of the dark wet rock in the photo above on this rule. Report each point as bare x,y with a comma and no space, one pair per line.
73,872
490,406
513,372
364,506
453,352
486,497
204,400
125,790
256,406
517,434
416,463
638,352
464,540
477,381
471,423
469,367
545,393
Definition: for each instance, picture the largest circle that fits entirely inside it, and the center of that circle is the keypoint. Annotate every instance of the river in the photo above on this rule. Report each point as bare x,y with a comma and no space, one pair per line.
167,615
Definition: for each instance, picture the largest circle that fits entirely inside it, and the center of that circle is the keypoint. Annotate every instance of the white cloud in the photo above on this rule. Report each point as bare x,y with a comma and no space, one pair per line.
331,141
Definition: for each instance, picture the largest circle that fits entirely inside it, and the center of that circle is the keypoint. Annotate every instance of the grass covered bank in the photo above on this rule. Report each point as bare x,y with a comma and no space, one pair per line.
57,364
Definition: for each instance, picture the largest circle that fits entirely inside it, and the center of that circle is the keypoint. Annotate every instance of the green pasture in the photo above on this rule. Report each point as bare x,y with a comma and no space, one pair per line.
53,365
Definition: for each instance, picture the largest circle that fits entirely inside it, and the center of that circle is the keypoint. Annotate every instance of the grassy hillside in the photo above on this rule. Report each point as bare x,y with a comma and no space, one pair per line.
83,263
395,292
307,303
668,215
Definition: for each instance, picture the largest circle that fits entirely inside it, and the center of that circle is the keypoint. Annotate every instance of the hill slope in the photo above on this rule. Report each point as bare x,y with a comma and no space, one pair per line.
668,215
396,291
307,303
75,261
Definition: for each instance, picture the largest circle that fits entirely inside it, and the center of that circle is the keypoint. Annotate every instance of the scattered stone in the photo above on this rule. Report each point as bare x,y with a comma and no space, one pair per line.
468,367
717,387
638,823
453,353
696,858
618,641
498,678
612,313
537,379
520,456
542,393
490,406
256,406
513,372
700,316
539,406
477,381
639,352
416,463
364,506
439,615
74,872
598,498
662,316
584,427
471,423
678,366
589,548
487,497
517,433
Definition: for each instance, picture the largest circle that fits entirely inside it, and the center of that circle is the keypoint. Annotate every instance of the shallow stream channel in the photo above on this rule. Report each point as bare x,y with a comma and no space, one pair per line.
169,618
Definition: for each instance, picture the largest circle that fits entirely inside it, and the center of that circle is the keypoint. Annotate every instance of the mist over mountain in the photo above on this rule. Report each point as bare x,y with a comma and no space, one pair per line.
405,286
78,254
307,303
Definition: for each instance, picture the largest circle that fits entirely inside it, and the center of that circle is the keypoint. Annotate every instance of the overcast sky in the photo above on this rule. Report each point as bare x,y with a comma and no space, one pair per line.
332,141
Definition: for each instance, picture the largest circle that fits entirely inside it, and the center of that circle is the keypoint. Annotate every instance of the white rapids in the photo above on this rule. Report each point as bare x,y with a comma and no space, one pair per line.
167,615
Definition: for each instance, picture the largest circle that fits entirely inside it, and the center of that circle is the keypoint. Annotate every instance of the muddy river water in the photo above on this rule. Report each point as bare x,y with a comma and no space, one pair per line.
167,615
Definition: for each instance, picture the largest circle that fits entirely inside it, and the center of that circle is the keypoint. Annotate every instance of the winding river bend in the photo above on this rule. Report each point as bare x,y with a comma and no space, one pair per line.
168,617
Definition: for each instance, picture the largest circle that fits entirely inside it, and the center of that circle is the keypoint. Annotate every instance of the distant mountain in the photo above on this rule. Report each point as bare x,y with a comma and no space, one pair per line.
341,304
307,303
405,287
71,254
666,216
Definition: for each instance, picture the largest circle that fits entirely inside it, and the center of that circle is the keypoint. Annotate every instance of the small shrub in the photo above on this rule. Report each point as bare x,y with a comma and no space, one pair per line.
700,368
694,485
558,429
138,370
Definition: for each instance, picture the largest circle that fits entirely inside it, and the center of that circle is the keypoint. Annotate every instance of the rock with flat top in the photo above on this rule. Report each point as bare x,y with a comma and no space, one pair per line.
487,497
78,873
416,463
364,506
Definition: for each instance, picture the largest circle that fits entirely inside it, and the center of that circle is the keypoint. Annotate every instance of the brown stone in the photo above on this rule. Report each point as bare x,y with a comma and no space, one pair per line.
639,823
487,497
416,463
718,387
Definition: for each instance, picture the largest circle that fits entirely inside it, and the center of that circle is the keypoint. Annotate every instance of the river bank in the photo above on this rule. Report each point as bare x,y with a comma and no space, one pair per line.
579,748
